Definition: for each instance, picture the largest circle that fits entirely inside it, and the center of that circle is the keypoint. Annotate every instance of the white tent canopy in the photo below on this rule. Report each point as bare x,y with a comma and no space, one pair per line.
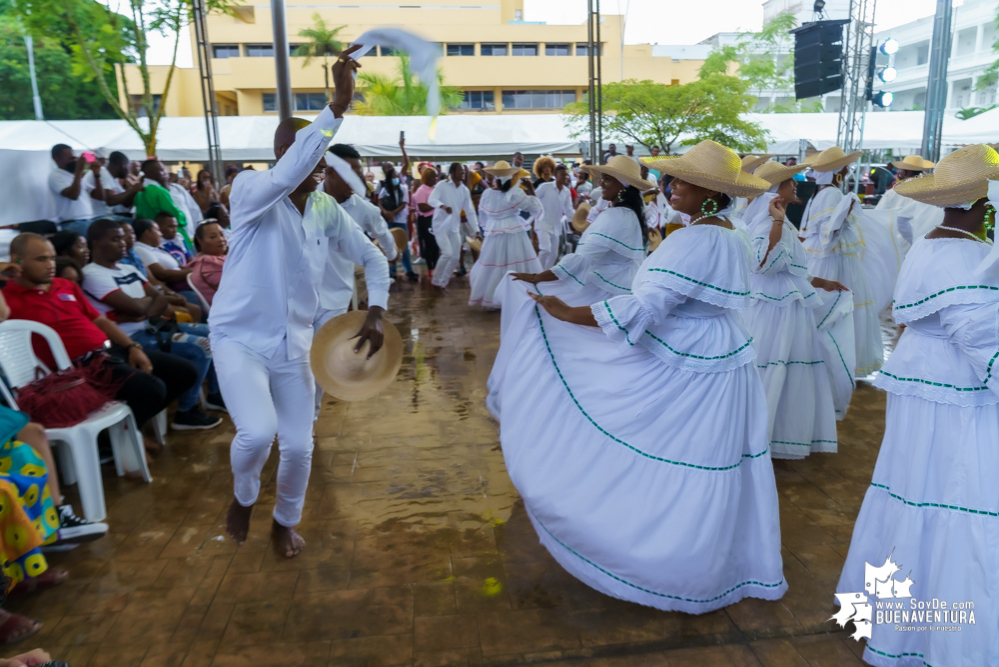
25,145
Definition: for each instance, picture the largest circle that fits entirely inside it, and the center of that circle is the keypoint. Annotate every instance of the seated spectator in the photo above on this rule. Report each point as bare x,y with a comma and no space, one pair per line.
179,302
219,213
131,257
159,262
152,379
71,244
204,191
74,194
68,269
230,175
119,291
156,197
171,241
120,187
206,268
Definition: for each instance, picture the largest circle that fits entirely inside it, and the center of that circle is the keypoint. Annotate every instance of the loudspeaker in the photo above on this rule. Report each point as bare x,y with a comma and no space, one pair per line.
818,58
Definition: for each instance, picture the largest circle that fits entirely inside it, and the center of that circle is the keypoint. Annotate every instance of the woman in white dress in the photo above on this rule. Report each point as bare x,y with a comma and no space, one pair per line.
635,429
933,505
506,245
914,219
790,354
835,246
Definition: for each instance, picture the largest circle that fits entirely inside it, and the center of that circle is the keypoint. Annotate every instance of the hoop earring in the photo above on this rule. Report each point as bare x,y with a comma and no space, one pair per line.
989,209
620,195
704,207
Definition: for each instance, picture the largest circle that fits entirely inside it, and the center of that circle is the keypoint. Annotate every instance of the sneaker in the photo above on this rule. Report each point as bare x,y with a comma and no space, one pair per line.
413,277
419,261
215,402
193,420
461,271
74,530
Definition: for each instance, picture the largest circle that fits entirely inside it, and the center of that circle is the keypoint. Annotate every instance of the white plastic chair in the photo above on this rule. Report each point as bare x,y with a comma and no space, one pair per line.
205,306
78,457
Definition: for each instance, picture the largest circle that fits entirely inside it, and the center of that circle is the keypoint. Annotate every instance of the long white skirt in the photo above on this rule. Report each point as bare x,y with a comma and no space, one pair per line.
867,329
933,506
789,358
646,482
501,254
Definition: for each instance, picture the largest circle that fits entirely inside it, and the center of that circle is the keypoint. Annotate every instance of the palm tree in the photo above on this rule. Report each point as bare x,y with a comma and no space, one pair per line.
401,95
322,42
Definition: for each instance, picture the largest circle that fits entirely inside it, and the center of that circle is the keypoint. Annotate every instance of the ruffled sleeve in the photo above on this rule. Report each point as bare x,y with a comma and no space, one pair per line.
952,281
974,328
616,229
625,318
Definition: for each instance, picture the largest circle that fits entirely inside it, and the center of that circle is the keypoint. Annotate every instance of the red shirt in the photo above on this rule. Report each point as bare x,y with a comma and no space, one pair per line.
64,308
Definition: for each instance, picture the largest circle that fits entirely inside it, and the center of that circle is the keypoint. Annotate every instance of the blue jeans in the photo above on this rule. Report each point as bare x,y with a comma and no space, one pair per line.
78,226
407,264
187,345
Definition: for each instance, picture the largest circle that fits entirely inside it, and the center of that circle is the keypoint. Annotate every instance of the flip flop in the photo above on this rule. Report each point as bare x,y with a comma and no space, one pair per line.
13,624
47,579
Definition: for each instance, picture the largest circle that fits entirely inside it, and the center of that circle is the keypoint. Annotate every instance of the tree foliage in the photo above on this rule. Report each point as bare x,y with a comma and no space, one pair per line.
63,97
101,38
402,94
971,112
322,43
654,114
765,61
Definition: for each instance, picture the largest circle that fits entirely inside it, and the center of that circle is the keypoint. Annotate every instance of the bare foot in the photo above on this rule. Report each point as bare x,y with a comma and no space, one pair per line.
286,540
237,521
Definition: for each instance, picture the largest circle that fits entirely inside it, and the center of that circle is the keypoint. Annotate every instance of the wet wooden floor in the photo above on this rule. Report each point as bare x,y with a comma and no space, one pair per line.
419,550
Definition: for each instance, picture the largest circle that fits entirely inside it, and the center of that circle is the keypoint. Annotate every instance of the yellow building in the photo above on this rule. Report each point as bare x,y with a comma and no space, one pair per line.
502,63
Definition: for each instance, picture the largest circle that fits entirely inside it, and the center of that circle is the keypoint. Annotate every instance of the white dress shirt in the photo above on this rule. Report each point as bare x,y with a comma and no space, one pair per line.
150,255
458,199
183,200
81,208
111,187
269,288
557,203
338,277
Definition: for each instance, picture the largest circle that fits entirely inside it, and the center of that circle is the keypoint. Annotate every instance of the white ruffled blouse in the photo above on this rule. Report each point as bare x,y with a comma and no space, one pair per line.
499,212
608,253
949,352
684,303
779,274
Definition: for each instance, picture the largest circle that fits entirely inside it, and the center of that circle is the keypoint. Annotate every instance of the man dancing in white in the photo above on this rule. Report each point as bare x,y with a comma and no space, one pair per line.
263,312
449,199
555,197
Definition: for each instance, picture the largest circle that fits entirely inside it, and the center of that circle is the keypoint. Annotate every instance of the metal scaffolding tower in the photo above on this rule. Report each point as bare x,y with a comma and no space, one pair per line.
936,88
204,49
594,52
857,48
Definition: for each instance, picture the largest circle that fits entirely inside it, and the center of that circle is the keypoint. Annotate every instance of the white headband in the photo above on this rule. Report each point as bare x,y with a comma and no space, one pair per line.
824,177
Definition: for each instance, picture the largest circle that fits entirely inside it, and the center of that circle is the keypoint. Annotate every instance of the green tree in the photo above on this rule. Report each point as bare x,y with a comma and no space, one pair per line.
402,94
971,112
322,43
63,97
991,76
654,114
101,38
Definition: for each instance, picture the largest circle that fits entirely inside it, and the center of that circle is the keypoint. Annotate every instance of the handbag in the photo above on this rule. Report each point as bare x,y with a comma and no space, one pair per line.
163,330
66,397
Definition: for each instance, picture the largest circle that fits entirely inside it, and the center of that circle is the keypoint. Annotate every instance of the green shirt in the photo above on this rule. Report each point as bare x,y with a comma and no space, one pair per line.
153,200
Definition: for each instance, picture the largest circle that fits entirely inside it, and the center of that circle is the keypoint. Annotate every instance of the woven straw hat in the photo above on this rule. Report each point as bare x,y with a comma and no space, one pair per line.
400,239
831,159
712,166
579,222
351,376
775,172
751,162
502,169
655,238
961,177
624,169
913,163
474,244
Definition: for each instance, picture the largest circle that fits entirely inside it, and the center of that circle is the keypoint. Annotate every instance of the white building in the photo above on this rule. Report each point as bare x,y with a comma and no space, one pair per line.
971,54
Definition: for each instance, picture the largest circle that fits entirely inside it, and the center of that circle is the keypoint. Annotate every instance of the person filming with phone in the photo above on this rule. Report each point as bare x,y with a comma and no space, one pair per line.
73,190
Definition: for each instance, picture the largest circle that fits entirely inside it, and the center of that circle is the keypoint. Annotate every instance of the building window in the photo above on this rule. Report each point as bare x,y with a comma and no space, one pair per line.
310,101
461,49
270,101
260,50
388,51
293,47
558,50
140,109
537,99
493,49
583,49
225,50
478,99
525,49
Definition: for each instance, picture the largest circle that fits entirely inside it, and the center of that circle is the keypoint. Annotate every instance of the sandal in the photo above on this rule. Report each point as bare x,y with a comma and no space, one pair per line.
15,628
47,579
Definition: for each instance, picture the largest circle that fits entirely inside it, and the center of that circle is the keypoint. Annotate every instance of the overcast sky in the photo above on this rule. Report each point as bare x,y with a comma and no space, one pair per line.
648,21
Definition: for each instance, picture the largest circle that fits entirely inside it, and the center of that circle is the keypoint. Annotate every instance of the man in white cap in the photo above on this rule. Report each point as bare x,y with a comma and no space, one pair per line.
263,313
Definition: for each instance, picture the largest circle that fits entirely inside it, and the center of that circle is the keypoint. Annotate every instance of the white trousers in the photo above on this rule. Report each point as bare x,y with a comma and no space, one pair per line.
450,244
267,397
322,317
547,246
